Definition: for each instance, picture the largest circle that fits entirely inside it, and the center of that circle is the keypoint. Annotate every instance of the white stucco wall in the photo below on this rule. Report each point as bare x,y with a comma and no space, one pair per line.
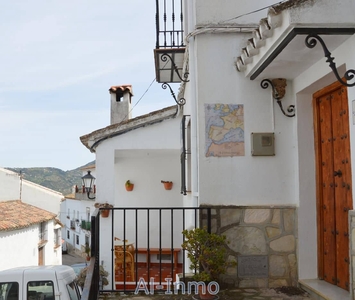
20,247
10,185
242,180
42,197
114,159
230,11
11,188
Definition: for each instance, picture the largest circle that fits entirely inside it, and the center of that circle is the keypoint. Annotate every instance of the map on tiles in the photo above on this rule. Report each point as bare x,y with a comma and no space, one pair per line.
224,130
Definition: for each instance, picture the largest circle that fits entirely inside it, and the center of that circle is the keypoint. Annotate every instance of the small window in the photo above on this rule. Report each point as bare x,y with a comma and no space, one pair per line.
42,231
40,290
57,238
68,234
9,290
77,240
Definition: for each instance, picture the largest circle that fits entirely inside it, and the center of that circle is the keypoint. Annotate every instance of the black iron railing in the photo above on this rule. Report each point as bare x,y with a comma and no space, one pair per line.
184,153
169,24
155,231
92,281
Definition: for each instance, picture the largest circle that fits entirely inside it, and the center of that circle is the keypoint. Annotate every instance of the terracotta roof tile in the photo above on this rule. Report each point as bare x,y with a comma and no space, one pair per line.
122,88
15,214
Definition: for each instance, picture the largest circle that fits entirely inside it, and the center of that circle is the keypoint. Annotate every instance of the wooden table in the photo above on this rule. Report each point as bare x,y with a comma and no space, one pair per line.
151,251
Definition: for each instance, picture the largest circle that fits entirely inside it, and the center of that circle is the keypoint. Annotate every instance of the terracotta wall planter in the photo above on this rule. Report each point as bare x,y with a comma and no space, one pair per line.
105,213
168,185
130,187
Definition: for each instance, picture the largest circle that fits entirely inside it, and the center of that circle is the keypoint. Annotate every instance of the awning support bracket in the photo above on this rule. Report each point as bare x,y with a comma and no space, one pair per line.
311,42
165,57
278,86
181,101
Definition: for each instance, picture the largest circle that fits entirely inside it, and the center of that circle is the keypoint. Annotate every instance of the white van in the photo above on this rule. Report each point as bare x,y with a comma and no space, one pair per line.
39,283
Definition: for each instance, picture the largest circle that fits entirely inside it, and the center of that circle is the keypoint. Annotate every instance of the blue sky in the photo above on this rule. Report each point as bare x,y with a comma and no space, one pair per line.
57,61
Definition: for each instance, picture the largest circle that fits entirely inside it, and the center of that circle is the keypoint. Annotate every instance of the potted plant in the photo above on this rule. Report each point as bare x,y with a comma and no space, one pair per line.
104,212
207,254
80,280
129,186
87,251
168,185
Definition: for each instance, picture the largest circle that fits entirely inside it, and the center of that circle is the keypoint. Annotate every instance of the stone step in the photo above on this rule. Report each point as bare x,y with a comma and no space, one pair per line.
321,290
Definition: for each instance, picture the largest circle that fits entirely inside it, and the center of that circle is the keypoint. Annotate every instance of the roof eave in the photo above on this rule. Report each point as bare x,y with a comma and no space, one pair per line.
92,139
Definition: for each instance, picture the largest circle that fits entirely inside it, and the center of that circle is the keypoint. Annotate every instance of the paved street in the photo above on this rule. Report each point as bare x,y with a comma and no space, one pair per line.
71,258
287,293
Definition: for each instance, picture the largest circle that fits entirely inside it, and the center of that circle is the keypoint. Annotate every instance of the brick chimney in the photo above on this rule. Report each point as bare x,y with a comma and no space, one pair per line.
120,103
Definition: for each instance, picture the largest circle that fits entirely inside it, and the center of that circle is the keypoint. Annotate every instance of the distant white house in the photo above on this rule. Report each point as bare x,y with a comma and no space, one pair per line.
76,210
29,236
13,186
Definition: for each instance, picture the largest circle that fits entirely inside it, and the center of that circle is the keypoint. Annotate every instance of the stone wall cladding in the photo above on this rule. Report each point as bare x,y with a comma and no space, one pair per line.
269,231
352,251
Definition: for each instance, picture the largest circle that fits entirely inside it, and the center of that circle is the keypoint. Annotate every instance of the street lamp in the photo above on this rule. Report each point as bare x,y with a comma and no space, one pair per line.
88,182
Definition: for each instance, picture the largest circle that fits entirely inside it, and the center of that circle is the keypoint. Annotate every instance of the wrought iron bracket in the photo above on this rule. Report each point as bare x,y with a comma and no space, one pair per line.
181,101
165,57
311,42
278,92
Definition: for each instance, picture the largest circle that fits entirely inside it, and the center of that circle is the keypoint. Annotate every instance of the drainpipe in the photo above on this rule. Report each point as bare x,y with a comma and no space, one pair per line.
194,96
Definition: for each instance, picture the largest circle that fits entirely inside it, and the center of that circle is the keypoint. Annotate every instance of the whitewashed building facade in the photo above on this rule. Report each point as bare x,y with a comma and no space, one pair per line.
29,236
290,192
268,132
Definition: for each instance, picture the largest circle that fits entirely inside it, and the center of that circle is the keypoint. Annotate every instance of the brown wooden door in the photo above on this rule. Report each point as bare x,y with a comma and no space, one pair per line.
334,183
40,256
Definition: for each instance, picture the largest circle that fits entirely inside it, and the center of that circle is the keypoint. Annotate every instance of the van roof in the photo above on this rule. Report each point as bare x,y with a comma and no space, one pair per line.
61,271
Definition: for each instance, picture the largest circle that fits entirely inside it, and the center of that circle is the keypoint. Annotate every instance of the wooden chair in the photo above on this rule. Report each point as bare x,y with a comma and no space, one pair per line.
129,246
124,262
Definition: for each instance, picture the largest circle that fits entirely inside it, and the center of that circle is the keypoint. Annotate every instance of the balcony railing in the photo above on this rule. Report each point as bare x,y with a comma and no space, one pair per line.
170,46
85,225
169,24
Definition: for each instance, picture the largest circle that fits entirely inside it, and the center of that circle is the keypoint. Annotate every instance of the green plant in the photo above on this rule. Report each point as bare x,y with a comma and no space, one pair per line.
207,253
103,205
80,280
128,183
87,250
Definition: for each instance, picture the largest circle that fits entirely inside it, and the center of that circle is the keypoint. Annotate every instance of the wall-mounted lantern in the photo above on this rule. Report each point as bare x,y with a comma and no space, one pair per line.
88,182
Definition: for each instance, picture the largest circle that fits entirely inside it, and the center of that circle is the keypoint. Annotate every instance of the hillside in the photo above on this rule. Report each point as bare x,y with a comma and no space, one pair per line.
53,178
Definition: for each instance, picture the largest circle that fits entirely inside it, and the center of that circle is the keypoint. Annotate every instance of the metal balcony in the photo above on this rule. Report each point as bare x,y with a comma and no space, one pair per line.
170,47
